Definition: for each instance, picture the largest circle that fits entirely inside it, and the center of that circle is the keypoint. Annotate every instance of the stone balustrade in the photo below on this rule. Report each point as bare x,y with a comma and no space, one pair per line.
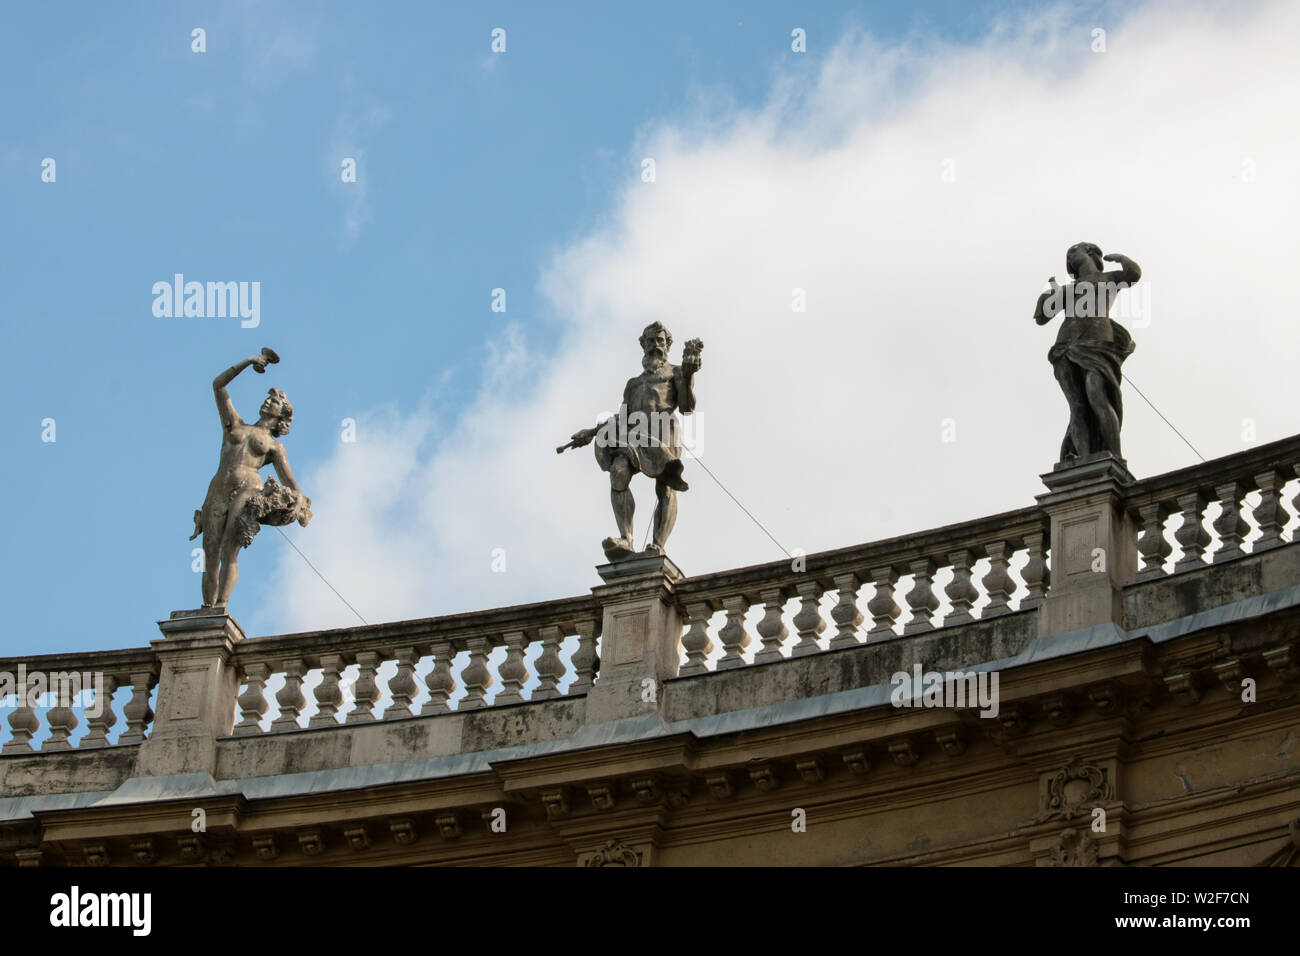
901,586
62,677
214,683
452,652
1178,505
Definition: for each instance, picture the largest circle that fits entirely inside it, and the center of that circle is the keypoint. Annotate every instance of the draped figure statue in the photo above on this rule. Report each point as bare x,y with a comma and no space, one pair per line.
1090,348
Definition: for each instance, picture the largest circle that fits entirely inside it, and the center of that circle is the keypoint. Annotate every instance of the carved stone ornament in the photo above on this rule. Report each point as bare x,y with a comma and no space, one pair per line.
811,770
764,777
312,842
358,837
1074,847
1077,788
403,830
614,853
1289,854
223,854
720,785
646,789
556,803
192,848
144,851
97,854
449,827
602,796
904,753
857,761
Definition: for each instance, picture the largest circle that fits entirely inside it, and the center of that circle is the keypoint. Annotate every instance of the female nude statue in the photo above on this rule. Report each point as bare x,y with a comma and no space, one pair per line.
237,503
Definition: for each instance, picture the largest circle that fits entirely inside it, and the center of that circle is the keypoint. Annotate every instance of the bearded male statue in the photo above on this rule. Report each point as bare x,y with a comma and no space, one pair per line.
645,436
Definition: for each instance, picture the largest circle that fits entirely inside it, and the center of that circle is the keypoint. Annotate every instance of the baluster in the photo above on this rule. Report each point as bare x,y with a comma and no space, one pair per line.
476,675
252,702
513,672
921,599
100,724
884,609
998,582
550,669
1295,506
364,689
733,635
1035,572
61,719
329,696
1269,513
439,680
961,592
402,686
696,641
808,622
585,662
845,612
137,711
290,697
1191,534
1153,546
1230,525
24,723
771,628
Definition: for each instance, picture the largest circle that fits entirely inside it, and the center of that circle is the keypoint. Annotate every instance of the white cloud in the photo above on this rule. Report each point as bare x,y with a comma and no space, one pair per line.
827,424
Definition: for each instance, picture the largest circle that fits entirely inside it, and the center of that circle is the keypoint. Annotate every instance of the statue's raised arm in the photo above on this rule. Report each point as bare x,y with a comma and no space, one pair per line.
1128,272
225,407
685,375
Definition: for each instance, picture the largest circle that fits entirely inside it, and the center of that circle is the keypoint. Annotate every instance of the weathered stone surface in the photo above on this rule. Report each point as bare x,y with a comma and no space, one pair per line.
197,685
642,637
1093,538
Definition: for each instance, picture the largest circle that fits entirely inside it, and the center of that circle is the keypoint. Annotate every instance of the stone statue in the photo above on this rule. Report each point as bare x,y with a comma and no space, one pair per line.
645,437
1090,348
238,504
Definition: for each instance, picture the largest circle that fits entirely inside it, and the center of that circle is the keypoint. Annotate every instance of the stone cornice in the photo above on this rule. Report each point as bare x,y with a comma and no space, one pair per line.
668,783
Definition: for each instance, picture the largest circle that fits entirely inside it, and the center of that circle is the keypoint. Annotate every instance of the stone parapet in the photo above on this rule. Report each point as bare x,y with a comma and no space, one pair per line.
650,643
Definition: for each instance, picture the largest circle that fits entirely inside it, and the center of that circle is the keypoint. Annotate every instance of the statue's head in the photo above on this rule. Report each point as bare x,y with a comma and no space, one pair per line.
278,410
1079,254
656,341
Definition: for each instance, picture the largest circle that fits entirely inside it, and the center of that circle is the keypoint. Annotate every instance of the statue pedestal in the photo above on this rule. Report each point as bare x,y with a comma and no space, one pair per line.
1094,544
197,686
641,643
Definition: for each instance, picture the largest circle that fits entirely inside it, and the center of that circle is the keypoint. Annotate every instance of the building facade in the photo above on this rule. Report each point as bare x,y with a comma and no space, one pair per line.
1106,677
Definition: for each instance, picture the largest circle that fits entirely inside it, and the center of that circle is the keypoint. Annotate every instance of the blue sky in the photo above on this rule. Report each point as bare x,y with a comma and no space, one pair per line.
225,166
475,172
